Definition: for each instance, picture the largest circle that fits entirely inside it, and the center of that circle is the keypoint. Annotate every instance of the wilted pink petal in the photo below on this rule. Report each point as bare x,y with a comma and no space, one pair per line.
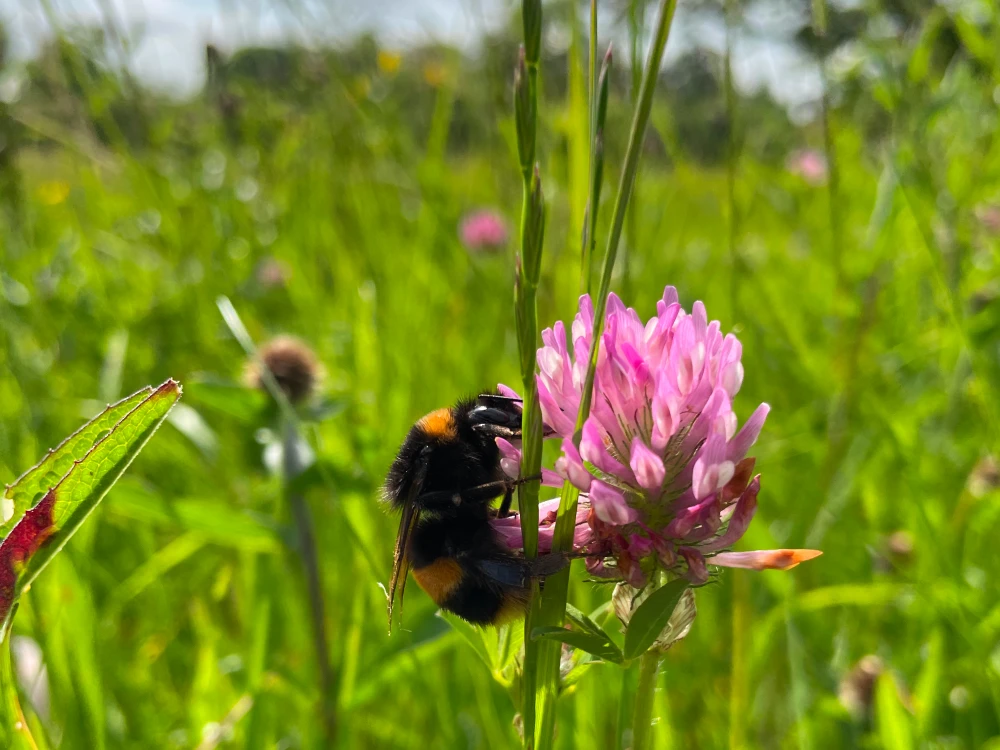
647,466
664,552
597,567
632,572
697,571
765,559
740,480
746,506
640,546
610,506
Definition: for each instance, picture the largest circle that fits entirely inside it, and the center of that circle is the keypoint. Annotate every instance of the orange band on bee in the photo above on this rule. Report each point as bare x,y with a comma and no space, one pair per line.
439,579
439,424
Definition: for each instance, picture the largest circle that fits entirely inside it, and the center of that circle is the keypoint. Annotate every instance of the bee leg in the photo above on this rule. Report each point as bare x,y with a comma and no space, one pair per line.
442,499
508,497
497,430
496,398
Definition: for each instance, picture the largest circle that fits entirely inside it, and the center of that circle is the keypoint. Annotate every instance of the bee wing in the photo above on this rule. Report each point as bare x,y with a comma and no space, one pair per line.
517,572
546,565
400,561
407,522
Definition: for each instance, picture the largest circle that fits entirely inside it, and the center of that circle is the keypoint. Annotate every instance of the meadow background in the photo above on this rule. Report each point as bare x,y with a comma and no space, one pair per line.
850,239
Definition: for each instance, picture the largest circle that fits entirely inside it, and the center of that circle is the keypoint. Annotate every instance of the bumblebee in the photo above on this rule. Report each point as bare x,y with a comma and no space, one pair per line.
444,479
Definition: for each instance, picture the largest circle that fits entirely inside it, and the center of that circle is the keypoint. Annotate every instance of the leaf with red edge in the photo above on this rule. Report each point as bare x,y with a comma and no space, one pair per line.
44,528
31,486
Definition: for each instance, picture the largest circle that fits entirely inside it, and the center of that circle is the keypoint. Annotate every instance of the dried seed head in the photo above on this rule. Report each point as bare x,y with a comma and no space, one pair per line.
858,686
293,365
985,476
900,545
626,600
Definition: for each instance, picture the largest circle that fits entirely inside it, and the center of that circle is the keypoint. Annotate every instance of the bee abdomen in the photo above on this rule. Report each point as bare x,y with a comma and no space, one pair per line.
484,605
440,579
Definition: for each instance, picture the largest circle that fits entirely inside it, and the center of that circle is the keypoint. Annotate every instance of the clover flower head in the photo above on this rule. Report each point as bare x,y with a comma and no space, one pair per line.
483,230
809,164
661,460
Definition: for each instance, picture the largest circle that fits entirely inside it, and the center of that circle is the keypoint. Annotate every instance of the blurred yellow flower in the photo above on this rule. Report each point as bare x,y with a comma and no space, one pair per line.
435,73
388,61
53,193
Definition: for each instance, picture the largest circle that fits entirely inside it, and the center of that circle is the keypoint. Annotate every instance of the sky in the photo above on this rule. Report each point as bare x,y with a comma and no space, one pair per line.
167,37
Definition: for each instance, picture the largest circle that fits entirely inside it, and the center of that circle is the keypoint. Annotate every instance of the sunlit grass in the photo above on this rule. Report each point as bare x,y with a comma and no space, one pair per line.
177,600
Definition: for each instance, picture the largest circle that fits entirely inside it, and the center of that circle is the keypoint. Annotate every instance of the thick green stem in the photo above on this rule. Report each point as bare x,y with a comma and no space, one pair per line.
642,717
528,271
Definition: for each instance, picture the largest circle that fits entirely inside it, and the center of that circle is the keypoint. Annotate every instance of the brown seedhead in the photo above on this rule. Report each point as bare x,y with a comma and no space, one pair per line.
293,365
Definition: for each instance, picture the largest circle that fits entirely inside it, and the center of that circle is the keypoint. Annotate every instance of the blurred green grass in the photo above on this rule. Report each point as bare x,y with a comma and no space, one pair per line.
335,219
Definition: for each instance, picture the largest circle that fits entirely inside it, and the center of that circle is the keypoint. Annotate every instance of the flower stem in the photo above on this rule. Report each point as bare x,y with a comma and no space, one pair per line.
732,154
642,718
306,543
636,137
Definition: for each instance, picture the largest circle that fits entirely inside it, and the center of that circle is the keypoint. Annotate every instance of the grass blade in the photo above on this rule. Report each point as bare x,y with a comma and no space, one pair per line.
601,647
553,603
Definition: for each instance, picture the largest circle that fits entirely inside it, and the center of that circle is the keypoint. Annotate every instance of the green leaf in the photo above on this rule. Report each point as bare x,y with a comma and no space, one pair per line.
595,645
510,638
584,622
473,636
46,527
36,481
651,618
930,690
894,723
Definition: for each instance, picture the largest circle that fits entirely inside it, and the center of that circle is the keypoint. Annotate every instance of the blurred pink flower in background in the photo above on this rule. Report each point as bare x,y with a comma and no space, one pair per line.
483,230
809,164
988,215
661,463
272,273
